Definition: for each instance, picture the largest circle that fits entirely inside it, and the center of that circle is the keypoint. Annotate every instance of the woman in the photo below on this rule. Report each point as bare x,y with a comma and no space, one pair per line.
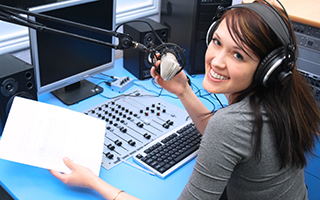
256,147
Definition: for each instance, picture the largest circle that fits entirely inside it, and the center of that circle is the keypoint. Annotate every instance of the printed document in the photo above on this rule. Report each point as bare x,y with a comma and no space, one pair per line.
41,134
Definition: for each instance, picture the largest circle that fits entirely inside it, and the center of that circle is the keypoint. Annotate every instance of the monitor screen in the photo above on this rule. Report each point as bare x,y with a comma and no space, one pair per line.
24,4
63,63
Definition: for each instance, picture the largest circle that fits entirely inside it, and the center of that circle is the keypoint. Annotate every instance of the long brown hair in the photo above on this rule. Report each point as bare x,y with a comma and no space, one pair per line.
292,109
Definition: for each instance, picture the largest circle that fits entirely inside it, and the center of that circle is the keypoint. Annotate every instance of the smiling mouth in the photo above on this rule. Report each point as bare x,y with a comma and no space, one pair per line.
217,76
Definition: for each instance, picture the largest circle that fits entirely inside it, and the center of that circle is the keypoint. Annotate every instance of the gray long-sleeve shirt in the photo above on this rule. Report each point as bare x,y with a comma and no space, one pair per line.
226,158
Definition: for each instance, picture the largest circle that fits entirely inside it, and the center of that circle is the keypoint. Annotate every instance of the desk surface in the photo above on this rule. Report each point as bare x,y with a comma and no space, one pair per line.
31,183
303,11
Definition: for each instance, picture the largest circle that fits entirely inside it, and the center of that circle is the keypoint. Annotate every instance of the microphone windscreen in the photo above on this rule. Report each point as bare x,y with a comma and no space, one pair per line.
169,66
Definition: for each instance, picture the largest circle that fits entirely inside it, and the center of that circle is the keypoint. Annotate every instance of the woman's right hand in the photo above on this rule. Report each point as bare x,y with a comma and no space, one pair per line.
176,85
80,176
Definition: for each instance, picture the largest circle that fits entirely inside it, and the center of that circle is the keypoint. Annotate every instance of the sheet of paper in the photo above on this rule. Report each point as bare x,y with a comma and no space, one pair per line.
40,135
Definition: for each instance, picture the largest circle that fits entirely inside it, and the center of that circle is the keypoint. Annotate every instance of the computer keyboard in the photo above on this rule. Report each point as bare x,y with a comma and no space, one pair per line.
171,151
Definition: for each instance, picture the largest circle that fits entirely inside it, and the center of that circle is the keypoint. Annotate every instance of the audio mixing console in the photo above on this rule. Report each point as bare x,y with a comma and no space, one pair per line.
133,120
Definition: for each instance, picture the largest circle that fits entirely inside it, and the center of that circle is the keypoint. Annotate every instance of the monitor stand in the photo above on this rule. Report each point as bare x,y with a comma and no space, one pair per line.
77,92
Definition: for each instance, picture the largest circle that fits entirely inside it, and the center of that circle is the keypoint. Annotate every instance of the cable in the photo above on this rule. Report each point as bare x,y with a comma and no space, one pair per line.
160,93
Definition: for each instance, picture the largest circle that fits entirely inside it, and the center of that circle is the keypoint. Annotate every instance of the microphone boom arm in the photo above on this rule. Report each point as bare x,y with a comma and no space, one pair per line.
125,41
14,15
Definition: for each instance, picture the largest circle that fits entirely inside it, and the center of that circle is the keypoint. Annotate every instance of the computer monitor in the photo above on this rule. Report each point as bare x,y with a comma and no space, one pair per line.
63,63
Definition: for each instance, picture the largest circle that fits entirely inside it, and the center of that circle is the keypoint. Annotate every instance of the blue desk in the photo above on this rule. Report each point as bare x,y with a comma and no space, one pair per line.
31,183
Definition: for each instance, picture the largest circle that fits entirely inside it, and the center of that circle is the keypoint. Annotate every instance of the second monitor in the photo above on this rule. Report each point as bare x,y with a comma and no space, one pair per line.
63,63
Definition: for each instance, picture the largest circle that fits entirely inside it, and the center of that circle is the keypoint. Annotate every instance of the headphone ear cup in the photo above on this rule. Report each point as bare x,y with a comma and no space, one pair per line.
270,67
213,27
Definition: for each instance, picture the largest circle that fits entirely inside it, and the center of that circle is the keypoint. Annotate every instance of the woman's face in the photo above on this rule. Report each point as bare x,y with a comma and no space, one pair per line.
228,68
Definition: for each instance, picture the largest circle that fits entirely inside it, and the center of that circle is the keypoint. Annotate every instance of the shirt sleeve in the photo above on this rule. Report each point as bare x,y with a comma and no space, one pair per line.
225,143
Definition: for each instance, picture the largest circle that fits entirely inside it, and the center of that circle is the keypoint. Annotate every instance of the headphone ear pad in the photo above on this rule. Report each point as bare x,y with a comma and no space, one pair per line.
269,67
213,27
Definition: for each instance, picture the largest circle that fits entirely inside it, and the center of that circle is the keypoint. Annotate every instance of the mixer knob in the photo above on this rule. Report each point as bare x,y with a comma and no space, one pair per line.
147,136
109,155
132,143
165,125
123,130
118,143
140,125
170,122
111,147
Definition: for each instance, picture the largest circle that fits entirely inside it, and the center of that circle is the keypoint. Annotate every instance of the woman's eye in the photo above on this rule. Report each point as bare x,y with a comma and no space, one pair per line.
238,56
215,41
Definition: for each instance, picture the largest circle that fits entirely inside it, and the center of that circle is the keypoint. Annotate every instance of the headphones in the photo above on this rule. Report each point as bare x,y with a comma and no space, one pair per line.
277,65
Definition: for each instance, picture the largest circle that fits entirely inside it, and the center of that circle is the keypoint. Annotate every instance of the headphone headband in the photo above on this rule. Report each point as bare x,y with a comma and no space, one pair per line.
272,18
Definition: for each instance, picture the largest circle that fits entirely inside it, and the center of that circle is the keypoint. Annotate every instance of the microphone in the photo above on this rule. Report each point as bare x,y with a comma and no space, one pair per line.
172,58
169,66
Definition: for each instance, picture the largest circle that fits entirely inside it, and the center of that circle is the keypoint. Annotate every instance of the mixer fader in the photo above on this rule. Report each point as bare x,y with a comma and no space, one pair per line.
132,121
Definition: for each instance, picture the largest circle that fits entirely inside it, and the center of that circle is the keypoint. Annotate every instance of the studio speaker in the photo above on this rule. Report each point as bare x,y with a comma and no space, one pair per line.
16,79
136,62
